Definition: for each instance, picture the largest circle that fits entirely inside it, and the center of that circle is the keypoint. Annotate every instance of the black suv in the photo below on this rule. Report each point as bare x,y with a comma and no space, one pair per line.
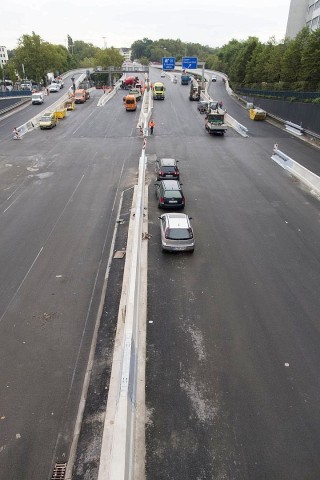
169,194
167,168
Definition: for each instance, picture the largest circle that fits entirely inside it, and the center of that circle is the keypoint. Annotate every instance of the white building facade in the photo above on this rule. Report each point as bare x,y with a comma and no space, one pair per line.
3,55
303,13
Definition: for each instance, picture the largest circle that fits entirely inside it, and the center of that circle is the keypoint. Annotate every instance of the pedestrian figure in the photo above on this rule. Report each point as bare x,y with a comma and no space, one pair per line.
104,89
151,126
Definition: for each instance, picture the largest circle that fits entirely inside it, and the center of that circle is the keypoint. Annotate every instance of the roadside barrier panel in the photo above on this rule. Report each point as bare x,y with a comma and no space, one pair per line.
310,179
294,128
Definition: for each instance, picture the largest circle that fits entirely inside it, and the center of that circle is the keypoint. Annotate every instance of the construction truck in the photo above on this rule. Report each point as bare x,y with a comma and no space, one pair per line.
214,122
195,91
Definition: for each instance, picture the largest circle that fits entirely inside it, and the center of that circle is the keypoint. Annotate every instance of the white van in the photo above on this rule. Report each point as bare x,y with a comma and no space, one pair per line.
37,98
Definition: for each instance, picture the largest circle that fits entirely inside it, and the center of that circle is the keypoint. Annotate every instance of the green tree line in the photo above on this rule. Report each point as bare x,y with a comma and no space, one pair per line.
286,65
34,58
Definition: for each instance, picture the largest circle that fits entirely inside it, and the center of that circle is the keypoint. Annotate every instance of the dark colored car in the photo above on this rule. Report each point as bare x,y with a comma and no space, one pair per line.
169,194
167,168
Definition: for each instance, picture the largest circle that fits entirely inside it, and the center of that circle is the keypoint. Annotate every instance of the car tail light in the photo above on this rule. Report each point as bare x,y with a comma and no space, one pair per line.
161,199
190,232
161,173
166,233
183,200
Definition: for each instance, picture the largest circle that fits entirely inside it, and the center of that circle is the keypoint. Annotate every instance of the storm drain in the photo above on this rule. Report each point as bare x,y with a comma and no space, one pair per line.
59,471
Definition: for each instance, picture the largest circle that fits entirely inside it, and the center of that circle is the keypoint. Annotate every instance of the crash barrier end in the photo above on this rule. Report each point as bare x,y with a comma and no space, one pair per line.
294,128
310,179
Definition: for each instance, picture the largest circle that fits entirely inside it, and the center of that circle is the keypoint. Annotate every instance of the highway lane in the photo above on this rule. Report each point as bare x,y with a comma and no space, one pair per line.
303,153
59,197
28,111
232,342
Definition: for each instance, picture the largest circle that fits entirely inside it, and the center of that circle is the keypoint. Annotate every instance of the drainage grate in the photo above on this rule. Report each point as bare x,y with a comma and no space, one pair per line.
59,471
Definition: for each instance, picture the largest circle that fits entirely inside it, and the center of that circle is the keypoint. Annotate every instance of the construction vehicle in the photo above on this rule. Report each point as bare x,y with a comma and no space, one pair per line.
195,91
129,82
214,122
257,114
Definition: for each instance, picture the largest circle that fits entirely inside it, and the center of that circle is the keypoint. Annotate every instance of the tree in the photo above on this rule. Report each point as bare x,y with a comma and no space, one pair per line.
310,60
34,57
108,57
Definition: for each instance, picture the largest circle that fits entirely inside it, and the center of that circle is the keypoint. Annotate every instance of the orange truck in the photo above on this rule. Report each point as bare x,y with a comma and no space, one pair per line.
80,96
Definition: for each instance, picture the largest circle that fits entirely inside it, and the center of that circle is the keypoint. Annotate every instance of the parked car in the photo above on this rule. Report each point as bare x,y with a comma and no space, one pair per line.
48,120
167,168
169,194
176,232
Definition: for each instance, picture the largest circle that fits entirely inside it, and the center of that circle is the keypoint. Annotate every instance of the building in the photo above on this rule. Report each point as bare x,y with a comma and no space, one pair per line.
303,13
3,55
126,53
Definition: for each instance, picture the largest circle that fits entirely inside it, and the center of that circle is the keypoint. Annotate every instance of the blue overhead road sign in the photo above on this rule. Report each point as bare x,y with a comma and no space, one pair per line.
168,63
189,62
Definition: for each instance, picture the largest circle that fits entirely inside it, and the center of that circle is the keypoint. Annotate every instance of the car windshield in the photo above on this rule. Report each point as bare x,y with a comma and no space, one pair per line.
173,194
179,234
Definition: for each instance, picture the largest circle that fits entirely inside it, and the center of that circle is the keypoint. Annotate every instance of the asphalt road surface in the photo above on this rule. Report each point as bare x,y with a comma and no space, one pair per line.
232,344
233,330
59,196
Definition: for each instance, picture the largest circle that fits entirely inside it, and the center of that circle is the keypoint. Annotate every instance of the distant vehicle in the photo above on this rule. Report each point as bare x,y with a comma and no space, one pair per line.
80,95
130,103
204,106
167,168
129,82
194,92
136,92
169,194
26,85
37,98
7,84
176,232
48,120
175,79
185,79
214,123
158,91
60,82
54,87
162,74
214,78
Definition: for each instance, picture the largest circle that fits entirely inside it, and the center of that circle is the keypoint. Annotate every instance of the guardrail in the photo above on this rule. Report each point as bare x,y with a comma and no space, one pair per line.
310,179
293,128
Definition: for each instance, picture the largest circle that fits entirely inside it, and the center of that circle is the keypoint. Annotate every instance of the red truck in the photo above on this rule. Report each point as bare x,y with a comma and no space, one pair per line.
129,82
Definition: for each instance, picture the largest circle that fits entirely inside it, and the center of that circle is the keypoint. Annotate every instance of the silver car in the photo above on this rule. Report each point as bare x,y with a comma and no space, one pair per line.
176,232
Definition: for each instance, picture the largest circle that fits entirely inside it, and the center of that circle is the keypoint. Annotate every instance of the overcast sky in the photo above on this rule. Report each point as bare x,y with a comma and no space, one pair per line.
208,22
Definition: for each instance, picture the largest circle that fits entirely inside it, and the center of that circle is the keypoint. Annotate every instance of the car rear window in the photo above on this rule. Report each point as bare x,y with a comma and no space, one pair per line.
173,194
179,234
168,169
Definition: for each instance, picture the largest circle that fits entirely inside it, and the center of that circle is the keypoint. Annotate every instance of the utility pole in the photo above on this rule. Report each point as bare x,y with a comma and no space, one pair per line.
104,43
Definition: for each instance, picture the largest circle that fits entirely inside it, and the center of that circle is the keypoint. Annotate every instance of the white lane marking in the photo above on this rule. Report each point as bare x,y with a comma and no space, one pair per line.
22,282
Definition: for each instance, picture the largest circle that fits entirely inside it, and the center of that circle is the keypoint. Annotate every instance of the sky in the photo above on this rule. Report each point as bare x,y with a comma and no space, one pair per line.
105,24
